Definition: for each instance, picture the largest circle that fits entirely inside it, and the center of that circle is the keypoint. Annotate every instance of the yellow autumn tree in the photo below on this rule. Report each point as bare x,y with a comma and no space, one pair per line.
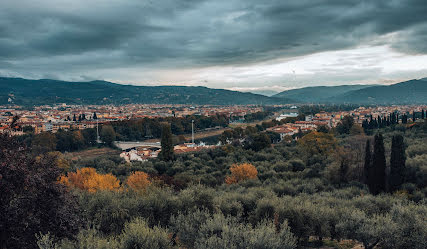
138,181
241,172
88,179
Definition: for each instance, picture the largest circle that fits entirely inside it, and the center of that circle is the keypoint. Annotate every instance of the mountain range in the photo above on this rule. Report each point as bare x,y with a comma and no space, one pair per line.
45,91
318,94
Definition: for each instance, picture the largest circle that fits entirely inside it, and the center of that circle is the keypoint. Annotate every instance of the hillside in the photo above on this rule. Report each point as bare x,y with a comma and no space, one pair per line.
318,94
408,92
45,91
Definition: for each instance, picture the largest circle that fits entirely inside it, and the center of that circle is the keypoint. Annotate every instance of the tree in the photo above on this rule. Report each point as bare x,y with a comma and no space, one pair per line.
28,129
108,135
397,163
377,176
43,142
31,200
241,172
88,179
323,128
167,153
138,181
94,116
260,141
368,164
344,126
318,143
404,119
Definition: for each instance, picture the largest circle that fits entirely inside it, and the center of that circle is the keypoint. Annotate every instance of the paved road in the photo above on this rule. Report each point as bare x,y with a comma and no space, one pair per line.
127,145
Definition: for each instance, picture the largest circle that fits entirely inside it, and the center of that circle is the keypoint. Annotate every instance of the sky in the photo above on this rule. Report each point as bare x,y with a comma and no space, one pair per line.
245,45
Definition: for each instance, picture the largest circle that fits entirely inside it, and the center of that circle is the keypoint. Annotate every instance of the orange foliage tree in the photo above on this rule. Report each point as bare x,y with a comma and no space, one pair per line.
138,181
88,179
241,172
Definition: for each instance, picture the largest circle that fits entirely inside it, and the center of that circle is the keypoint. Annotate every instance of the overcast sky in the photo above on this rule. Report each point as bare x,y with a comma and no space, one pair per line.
234,44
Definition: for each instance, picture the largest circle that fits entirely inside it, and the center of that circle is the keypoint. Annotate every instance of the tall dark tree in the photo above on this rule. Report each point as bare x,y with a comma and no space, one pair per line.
378,176
397,163
404,119
167,153
413,116
31,200
74,118
108,135
423,115
94,116
368,164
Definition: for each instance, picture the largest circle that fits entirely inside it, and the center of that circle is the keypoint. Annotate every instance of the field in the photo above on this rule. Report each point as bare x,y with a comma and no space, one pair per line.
91,153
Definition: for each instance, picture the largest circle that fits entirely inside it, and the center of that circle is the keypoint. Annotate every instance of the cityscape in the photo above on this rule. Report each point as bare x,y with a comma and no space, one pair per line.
227,124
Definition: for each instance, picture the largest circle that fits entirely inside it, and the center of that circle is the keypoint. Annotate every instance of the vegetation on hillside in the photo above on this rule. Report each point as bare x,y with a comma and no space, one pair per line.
311,192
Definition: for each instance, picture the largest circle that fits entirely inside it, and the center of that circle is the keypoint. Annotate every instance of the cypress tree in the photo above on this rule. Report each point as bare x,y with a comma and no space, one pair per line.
167,153
397,163
74,118
413,116
423,114
378,165
368,164
94,116
404,119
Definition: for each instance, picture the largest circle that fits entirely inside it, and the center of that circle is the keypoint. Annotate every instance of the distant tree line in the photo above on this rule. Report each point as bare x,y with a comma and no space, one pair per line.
390,120
62,140
313,109
140,129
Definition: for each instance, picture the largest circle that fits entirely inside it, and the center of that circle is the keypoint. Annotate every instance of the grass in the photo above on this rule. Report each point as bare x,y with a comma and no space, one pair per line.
91,153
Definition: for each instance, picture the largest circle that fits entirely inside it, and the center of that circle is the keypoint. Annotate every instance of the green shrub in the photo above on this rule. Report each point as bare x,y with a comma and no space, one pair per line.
137,234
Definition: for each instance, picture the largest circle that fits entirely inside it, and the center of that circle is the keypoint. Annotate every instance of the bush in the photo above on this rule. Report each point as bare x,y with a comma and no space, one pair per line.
226,232
137,234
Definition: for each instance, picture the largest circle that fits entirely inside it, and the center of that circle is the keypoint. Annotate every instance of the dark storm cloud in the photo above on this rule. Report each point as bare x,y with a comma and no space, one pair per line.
193,33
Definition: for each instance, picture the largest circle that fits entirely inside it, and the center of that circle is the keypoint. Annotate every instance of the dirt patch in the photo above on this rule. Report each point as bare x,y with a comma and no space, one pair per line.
91,153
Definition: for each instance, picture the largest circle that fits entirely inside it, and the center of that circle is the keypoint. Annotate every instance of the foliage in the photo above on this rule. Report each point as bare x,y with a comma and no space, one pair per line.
88,179
31,200
397,163
108,135
44,142
137,234
345,125
167,151
299,197
138,181
241,172
376,176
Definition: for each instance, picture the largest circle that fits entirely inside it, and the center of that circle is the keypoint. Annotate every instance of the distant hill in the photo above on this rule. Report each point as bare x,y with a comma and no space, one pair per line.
45,91
268,93
318,94
408,92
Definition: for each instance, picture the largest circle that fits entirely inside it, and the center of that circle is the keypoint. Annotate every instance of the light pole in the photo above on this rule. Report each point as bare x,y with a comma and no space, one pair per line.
192,131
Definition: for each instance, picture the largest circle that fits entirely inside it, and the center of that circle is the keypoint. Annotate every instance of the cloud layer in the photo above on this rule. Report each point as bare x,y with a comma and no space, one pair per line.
74,39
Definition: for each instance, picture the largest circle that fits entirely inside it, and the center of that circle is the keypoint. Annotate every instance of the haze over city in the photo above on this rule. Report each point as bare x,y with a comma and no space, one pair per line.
239,44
